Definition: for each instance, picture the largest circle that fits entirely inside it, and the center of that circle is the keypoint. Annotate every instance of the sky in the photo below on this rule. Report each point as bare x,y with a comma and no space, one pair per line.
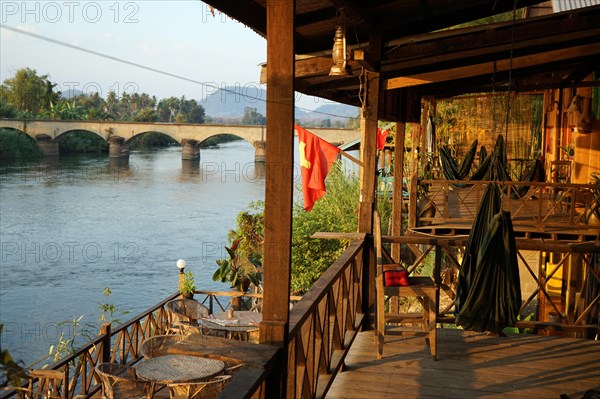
179,38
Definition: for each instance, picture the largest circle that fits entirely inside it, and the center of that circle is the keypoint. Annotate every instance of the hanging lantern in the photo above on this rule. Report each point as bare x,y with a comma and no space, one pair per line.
338,54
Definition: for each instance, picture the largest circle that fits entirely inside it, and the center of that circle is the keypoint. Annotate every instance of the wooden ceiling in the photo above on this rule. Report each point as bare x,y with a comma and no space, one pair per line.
549,51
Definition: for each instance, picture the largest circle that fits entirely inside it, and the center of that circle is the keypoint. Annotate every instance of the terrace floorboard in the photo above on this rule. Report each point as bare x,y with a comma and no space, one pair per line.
469,365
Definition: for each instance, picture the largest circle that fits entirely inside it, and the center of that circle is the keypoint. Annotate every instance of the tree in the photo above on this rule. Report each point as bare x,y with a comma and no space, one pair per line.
253,117
180,110
29,92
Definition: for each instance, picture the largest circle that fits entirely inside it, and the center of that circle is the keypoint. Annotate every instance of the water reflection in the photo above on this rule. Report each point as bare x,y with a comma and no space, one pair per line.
190,170
71,226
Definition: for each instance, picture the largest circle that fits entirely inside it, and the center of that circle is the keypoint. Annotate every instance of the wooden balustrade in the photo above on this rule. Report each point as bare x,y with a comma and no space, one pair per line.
535,207
119,345
323,323
570,306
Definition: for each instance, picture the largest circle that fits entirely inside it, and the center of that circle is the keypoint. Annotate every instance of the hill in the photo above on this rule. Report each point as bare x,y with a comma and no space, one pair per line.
230,102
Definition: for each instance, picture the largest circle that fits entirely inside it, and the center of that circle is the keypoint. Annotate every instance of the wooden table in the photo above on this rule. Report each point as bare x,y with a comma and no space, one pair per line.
169,369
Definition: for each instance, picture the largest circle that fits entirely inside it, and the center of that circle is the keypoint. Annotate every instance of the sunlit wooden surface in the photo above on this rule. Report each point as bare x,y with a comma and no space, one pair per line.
470,365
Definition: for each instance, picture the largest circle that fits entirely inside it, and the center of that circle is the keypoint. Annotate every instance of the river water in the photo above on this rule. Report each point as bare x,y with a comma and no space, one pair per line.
71,227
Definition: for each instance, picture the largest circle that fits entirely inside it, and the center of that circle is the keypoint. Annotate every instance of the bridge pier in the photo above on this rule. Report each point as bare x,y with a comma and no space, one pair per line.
117,147
260,151
190,150
48,147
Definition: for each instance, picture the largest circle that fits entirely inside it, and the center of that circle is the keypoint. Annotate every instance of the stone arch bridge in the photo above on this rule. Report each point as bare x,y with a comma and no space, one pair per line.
119,134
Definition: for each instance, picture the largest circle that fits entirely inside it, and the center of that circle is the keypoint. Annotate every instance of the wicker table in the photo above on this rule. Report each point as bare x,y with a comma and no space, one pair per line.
238,327
169,369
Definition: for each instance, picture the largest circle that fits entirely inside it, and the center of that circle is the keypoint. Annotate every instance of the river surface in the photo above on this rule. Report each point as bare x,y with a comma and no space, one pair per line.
72,227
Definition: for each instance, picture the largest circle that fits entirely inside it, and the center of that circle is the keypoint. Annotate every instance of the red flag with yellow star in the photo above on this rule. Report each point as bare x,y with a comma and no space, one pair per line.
316,157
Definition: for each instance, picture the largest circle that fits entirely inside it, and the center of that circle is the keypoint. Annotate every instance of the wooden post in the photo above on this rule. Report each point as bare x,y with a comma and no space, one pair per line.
368,179
105,330
278,185
398,200
412,196
423,146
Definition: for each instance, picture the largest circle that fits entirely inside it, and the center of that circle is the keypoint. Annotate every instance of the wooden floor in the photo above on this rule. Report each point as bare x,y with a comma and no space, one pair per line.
470,365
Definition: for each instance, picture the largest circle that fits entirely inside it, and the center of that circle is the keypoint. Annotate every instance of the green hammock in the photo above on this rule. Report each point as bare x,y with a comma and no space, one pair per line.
494,298
451,169
490,205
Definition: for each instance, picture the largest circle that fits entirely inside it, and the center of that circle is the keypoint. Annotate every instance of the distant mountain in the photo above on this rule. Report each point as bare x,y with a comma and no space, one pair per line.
229,103
68,94
334,112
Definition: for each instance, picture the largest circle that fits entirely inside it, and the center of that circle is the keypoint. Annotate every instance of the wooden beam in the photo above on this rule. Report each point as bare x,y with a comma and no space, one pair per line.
353,12
397,193
368,148
367,174
487,68
366,60
279,178
532,35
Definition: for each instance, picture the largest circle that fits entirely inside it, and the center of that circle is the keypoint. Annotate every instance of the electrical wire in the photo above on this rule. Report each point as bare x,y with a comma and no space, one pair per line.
159,71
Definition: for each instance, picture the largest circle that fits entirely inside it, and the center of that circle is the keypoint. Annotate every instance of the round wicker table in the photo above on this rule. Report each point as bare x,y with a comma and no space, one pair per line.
169,369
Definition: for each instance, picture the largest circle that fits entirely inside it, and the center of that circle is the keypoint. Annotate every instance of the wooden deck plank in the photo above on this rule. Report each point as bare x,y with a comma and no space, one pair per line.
470,365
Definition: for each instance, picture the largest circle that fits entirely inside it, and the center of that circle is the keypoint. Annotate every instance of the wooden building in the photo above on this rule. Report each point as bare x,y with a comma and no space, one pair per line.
395,59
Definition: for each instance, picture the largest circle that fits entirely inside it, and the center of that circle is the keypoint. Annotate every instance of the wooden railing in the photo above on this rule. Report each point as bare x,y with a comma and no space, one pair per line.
324,324
220,301
120,345
567,309
538,207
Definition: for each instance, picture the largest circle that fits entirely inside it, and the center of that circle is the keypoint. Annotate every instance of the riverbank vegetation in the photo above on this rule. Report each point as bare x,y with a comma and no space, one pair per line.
337,211
17,145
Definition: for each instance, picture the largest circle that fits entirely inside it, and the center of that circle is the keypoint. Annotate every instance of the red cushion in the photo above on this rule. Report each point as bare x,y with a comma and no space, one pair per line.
394,275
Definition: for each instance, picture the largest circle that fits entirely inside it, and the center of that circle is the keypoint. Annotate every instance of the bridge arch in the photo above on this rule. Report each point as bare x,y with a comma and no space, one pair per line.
119,133
66,132
138,134
14,129
246,139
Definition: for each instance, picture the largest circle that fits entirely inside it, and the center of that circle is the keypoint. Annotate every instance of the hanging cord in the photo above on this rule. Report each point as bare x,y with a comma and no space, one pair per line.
510,64
493,100
362,91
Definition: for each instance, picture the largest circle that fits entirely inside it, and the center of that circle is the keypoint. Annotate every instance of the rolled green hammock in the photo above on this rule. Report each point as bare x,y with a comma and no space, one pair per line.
451,169
494,298
490,205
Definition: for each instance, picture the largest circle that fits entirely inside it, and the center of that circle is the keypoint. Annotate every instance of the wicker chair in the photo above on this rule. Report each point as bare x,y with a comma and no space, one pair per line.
120,381
233,368
199,390
184,315
159,345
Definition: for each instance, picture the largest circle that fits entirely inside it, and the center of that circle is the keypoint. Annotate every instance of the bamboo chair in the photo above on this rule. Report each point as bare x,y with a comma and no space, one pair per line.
120,381
199,390
184,315
45,384
421,287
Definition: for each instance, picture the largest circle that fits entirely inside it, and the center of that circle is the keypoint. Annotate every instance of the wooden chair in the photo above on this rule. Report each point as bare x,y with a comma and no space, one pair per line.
560,171
184,315
199,390
421,287
45,384
120,381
